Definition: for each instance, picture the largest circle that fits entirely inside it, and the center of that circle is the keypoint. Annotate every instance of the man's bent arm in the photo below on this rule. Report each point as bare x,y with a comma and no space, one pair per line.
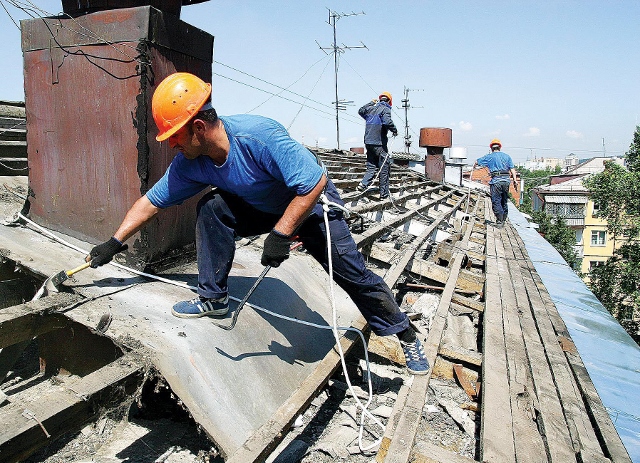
138,216
515,178
299,208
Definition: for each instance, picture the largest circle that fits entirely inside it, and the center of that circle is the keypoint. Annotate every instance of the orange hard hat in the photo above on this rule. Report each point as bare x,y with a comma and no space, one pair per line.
495,141
388,95
177,99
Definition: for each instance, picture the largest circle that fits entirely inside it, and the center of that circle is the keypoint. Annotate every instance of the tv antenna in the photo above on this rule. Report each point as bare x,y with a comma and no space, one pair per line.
340,105
406,106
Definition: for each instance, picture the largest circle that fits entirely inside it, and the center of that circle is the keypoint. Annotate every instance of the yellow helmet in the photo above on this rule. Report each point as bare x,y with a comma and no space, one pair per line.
177,99
494,142
388,95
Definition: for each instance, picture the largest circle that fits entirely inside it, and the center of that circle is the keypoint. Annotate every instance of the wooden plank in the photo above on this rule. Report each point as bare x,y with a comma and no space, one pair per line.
429,453
461,354
25,321
267,438
67,408
582,432
600,419
402,441
464,381
551,418
529,443
392,424
394,272
468,302
467,281
496,433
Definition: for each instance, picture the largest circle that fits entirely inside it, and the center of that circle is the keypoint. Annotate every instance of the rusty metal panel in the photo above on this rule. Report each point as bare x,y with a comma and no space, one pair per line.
434,167
118,28
91,137
80,7
438,137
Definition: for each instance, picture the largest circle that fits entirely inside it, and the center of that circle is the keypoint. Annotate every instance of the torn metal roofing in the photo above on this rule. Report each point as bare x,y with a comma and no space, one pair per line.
610,355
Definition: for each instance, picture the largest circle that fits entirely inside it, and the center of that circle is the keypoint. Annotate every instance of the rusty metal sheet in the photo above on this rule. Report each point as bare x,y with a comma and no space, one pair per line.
91,140
437,137
434,167
117,28
80,7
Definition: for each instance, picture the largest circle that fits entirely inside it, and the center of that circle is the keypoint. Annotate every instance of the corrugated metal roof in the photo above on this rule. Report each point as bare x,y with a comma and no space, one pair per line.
566,199
610,355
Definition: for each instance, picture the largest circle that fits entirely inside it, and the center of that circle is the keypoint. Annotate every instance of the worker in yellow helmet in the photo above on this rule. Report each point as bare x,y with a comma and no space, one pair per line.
377,113
265,183
500,167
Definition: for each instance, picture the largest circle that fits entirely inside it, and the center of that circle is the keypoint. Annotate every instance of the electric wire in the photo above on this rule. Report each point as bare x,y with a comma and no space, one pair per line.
304,103
279,96
9,14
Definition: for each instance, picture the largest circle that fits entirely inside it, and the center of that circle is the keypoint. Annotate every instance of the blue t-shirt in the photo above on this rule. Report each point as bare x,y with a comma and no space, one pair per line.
265,167
497,162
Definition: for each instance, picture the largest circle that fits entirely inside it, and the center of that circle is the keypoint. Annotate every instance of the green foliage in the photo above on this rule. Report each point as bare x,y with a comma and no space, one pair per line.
616,193
633,155
616,283
559,235
533,179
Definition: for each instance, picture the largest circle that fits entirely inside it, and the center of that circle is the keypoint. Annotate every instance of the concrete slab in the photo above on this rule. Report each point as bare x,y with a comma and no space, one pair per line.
231,381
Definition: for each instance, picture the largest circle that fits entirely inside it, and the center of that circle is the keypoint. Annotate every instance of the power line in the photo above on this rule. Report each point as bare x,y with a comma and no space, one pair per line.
274,94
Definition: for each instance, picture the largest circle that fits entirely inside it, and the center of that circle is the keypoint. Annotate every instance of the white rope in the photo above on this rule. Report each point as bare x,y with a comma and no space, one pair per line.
333,327
365,407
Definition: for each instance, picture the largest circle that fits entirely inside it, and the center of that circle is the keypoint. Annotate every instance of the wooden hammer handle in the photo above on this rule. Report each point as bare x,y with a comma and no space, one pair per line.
77,269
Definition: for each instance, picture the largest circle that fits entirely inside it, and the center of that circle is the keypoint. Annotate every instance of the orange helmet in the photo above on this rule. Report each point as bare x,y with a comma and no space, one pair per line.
494,142
177,99
388,95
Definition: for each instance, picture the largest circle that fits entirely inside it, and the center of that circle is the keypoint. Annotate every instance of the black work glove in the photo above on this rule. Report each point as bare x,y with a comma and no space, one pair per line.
276,249
103,253
394,133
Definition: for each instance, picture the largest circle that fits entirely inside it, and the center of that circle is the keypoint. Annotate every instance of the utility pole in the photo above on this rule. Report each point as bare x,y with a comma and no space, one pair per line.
340,105
604,149
406,106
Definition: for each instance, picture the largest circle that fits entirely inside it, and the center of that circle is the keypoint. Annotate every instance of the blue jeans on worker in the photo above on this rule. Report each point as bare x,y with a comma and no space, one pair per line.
378,159
500,199
222,217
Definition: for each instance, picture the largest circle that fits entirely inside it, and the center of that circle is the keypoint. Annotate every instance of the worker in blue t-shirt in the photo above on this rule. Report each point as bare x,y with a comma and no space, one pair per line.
265,182
501,168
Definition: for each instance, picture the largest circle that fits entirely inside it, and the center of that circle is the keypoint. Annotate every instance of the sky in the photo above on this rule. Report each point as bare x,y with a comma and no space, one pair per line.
548,78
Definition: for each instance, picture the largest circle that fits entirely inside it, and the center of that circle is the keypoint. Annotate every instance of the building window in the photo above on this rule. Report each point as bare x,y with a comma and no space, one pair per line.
595,263
566,211
598,238
596,209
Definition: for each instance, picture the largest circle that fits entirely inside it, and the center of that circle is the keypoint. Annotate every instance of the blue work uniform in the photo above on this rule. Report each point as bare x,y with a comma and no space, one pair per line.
499,165
378,124
264,171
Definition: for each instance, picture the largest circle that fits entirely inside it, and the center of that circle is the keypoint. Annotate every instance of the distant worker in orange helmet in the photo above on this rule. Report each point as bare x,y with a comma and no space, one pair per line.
501,168
265,183
377,113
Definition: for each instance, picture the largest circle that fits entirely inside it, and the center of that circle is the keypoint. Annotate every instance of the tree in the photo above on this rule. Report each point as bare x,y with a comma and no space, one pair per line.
533,179
633,155
559,235
616,283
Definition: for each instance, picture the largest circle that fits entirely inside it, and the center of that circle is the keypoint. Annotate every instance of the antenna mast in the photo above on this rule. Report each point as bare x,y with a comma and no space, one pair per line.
406,106
341,105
